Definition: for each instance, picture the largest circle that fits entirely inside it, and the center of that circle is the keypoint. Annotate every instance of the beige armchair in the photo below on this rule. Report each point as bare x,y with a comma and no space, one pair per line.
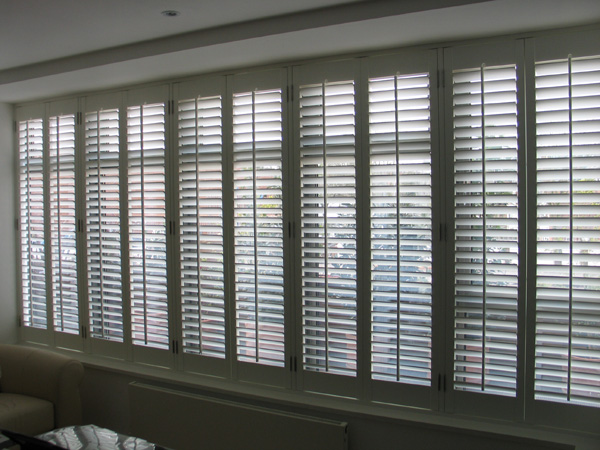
39,390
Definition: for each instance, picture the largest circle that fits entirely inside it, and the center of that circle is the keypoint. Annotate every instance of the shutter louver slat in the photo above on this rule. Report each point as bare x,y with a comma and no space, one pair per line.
486,230
201,226
258,227
63,224
33,254
401,228
105,292
328,227
147,225
567,334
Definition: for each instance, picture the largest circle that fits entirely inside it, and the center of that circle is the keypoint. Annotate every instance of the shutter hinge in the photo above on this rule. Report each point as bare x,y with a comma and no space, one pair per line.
441,382
293,364
292,230
171,107
175,347
19,321
441,78
16,224
83,331
444,232
290,93
15,125
79,118
172,227
80,225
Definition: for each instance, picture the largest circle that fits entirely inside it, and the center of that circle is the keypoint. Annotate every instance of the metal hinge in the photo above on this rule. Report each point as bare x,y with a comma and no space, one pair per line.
441,382
290,93
19,321
80,225
175,346
84,333
444,232
293,364
441,78
16,224
292,230
172,227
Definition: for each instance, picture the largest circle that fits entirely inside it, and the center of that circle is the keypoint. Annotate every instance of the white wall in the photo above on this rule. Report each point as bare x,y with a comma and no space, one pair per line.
8,289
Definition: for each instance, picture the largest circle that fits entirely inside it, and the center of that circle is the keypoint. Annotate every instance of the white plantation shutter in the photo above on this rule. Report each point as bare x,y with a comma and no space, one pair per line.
401,228
63,223
103,225
486,229
200,128
258,226
31,217
328,226
388,266
567,309
147,225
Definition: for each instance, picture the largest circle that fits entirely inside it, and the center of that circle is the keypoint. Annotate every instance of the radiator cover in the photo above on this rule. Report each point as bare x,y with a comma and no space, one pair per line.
185,421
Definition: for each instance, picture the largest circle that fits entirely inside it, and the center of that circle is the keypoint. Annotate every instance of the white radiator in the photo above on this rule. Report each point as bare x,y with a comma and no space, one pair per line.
184,421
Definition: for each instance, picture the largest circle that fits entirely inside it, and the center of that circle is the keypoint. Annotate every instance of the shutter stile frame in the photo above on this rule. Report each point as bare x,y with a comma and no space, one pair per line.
63,219
547,355
31,134
155,300
270,85
111,305
425,62
208,127
510,53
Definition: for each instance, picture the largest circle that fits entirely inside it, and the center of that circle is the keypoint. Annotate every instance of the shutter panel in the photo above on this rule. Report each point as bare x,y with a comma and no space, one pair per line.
258,226
103,217
401,228
486,229
31,192
147,225
567,313
201,225
328,226
63,223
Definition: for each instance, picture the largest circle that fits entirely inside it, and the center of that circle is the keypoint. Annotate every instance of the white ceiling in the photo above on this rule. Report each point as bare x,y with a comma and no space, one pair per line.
36,30
56,47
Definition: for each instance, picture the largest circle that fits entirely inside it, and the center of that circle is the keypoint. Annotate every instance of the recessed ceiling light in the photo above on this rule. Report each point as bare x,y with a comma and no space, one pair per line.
170,13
